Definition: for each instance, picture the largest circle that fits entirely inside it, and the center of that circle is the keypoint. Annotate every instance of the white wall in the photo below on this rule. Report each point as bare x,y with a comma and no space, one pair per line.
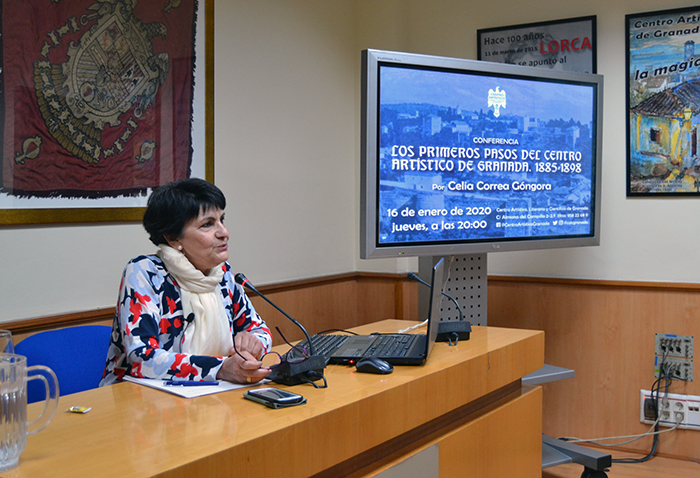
287,155
285,135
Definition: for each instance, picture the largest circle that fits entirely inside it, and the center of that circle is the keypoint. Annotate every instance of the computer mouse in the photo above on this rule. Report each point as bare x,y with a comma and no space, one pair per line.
374,365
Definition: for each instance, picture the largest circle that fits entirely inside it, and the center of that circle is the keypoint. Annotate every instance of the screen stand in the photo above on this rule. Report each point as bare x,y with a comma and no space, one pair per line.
466,283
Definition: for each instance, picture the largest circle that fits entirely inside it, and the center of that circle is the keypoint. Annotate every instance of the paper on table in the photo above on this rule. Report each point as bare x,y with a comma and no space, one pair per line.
189,392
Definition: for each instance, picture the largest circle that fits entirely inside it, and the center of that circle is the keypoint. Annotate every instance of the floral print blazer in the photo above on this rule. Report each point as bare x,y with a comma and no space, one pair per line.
149,327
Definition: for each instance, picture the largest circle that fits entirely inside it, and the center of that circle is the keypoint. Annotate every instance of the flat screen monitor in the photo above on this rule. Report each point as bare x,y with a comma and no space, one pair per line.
465,157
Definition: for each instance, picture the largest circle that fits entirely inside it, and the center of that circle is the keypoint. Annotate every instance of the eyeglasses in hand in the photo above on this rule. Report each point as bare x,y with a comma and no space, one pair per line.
296,354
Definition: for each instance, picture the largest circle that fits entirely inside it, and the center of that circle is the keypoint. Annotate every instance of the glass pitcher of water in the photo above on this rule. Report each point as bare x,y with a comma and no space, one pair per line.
14,427
7,346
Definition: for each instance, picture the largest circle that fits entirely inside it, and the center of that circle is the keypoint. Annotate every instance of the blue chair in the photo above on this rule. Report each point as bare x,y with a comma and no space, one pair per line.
77,356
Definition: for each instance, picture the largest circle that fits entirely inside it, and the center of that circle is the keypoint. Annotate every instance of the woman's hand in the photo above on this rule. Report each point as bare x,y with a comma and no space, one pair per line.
246,369
247,342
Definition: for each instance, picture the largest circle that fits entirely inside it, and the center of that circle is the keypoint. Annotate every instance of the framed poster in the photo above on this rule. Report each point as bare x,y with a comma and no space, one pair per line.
99,103
568,45
663,103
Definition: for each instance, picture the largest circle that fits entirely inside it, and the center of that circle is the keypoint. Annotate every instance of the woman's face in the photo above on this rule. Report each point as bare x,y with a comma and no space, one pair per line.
204,240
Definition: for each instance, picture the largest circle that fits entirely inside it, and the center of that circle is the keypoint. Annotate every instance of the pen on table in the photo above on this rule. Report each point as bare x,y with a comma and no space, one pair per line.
192,384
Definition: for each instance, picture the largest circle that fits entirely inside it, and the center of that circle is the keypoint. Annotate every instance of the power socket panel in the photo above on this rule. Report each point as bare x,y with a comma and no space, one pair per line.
672,407
674,345
677,368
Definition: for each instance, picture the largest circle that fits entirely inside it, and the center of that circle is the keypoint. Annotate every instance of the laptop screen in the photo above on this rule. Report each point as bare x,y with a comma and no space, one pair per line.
435,301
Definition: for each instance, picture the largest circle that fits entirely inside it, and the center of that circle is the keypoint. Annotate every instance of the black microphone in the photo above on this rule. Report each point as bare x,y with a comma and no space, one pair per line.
290,373
451,329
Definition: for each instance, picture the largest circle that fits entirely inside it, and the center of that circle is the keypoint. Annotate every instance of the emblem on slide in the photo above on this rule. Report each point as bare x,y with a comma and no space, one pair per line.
497,99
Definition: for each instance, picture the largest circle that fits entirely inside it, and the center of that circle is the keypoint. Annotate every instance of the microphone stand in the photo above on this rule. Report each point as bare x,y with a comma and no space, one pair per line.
287,373
449,330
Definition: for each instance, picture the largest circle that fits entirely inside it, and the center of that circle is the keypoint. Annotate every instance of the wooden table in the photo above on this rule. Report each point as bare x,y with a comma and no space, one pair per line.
466,402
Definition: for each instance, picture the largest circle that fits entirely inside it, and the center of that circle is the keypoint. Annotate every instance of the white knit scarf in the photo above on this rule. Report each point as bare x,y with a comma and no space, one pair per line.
210,332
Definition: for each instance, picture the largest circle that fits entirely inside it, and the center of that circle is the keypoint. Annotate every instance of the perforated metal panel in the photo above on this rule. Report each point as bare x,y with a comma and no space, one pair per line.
466,283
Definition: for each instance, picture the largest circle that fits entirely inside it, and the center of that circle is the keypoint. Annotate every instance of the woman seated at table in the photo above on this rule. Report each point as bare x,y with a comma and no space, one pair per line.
179,311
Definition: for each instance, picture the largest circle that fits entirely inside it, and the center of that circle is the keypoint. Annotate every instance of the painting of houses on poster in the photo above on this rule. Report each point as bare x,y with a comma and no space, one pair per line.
663,101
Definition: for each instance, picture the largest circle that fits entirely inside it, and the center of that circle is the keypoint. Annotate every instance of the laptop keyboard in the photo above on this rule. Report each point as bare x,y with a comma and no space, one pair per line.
323,344
391,346
385,346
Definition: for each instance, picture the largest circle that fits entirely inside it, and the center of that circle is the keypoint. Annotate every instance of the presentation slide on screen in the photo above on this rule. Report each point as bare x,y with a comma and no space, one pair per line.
475,157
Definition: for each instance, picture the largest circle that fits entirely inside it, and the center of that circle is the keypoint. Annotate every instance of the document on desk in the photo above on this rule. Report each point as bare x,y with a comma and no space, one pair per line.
190,391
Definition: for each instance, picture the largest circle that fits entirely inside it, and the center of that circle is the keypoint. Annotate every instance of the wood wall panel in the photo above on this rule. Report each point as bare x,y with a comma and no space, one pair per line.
338,304
341,301
605,332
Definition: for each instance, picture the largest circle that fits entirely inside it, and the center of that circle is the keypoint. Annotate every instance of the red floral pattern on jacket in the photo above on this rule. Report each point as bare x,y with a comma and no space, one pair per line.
149,326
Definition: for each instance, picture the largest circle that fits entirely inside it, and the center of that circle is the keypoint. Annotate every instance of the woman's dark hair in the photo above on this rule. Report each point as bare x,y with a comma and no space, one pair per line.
172,206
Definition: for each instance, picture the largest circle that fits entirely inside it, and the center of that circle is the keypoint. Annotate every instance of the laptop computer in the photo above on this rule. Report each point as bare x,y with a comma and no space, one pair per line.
397,349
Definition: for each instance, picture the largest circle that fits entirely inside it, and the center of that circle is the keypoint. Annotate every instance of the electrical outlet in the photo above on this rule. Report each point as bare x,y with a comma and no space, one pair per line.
674,345
672,407
676,368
